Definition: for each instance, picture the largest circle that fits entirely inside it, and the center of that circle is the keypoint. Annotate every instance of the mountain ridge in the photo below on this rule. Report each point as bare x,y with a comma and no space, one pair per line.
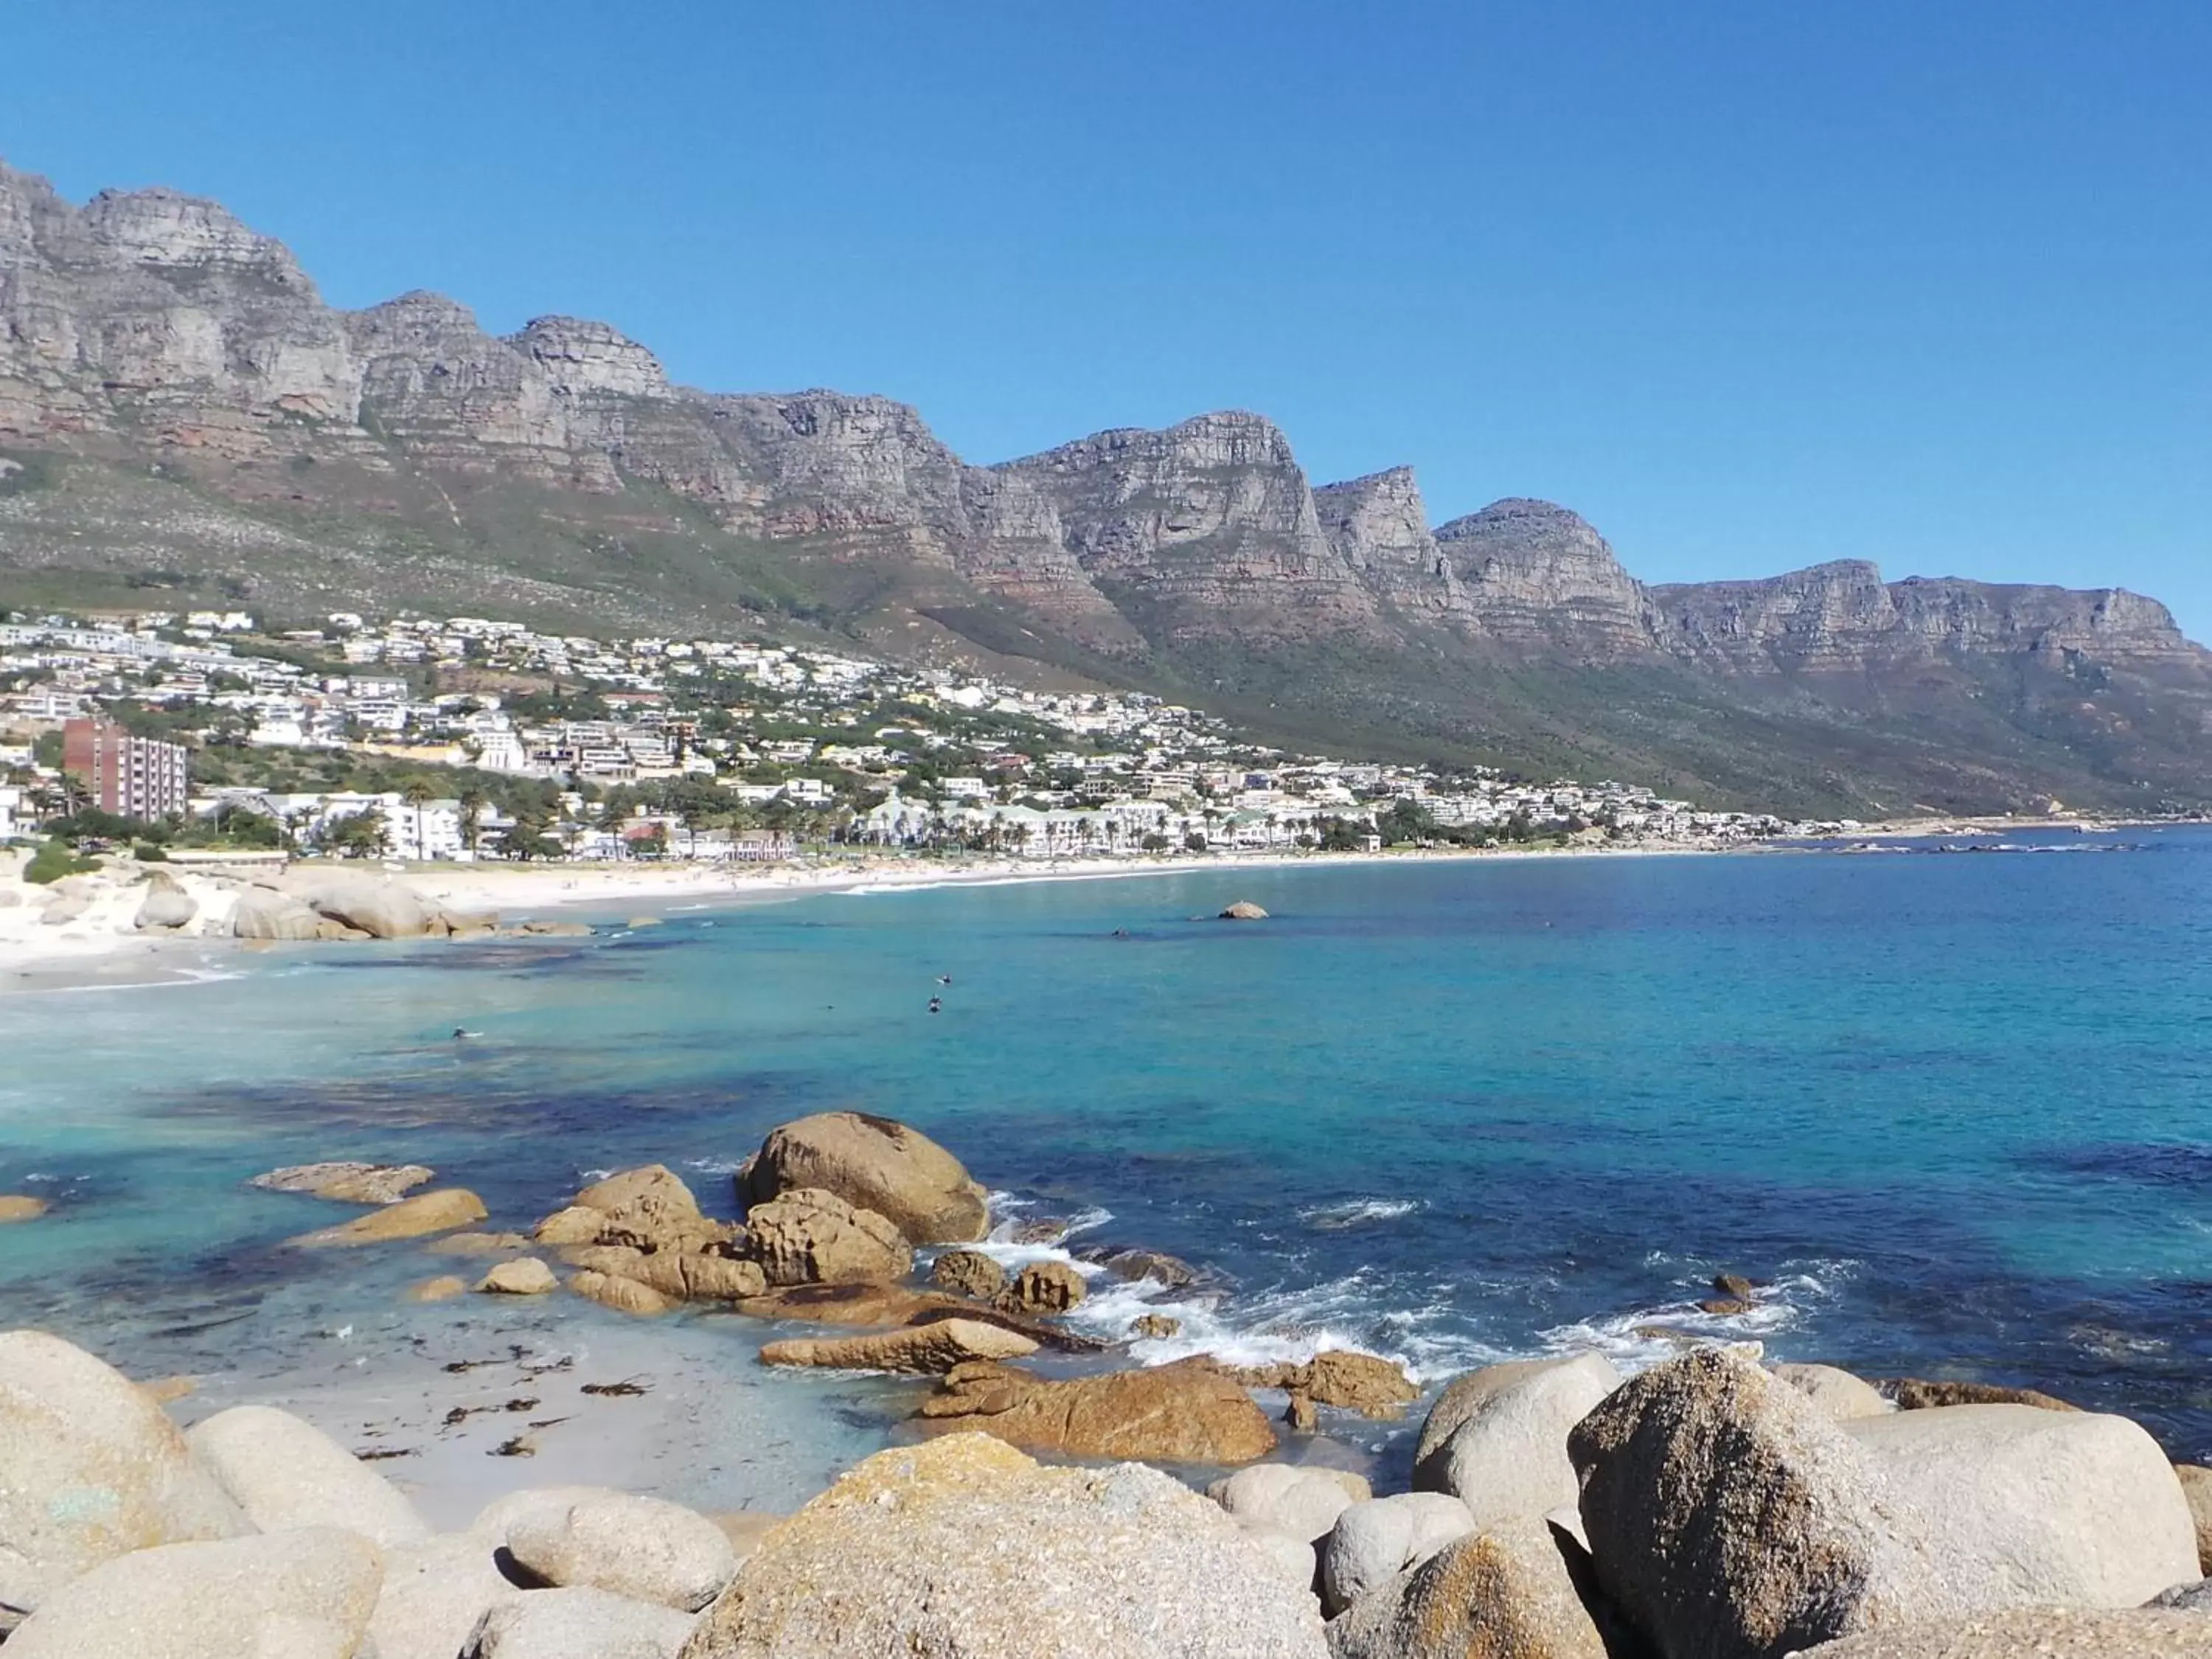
180,411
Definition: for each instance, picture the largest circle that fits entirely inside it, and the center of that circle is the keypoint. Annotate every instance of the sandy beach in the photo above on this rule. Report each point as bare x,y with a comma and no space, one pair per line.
82,933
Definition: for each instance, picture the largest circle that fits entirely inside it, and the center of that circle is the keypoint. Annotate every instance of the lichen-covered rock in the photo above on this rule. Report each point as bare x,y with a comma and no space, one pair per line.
1730,1518
1497,1439
965,1549
1371,1543
90,1469
969,1272
809,1236
2062,1509
285,1473
308,1594
438,1211
935,1347
1187,1413
639,1547
873,1163
1502,1593
1044,1287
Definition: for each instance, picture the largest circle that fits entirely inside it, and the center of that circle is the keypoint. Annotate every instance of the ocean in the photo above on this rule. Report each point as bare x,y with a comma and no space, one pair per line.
1948,1108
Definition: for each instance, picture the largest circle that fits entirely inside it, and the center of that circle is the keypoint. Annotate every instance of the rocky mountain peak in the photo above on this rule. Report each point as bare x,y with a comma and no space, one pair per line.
167,230
1540,576
582,358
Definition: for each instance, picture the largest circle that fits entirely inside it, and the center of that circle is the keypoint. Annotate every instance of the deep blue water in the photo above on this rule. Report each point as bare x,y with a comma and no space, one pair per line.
1954,1107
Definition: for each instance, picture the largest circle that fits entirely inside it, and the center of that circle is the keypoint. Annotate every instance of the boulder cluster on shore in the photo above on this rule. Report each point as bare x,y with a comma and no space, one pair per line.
1711,1507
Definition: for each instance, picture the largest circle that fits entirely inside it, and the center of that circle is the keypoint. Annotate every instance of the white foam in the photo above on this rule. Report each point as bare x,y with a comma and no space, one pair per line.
1357,1213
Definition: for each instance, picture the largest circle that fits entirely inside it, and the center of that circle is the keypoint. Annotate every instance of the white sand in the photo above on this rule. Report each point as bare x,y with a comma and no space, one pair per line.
102,946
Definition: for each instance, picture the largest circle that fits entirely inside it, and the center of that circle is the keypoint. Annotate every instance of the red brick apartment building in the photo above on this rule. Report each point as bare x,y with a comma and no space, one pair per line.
132,777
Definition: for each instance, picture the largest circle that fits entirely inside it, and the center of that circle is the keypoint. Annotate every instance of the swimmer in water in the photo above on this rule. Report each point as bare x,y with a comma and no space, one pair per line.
458,1034
936,1004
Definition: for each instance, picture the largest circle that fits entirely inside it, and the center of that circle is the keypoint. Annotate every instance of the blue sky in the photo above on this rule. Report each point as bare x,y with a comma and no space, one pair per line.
1749,285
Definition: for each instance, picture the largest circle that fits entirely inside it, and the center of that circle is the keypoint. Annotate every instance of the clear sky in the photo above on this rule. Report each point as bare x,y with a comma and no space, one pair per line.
1749,285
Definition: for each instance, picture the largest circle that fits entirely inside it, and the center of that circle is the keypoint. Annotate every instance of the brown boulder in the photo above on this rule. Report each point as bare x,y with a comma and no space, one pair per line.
478,1244
442,1289
411,1218
1364,1382
1914,1394
969,1272
933,1348
1155,1327
653,1194
623,1295
1044,1287
873,1163
527,1276
1243,910
16,1206
1188,1412
1171,1271
577,1225
812,1236
679,1278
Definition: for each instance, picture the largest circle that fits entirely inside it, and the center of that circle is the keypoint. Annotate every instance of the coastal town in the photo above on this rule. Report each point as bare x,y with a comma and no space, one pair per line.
465,738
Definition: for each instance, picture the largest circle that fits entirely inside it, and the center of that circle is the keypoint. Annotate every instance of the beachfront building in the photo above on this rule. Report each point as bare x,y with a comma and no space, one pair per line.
130,777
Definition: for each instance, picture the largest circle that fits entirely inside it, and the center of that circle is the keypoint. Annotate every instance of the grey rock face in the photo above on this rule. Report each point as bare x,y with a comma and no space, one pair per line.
1373,1542
1497,1439
640,1547
1504,1591
306,1594
93,1471
287,1473
578,1623
1542,579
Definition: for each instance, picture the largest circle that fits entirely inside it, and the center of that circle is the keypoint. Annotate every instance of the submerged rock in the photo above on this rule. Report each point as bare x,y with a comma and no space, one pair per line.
444,1288
18,1207
932,1348
965,1549
438,1211
92,1470
874,1164
347,1183
1171,1271
1191,1412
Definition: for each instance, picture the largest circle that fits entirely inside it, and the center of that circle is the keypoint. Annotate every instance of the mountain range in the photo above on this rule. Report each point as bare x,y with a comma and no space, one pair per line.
183,419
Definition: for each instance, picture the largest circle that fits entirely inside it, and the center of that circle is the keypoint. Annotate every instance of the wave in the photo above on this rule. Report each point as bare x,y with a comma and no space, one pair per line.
1646,1336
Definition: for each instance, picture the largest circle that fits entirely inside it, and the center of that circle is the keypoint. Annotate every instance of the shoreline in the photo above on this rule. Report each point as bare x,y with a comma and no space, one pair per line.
102,951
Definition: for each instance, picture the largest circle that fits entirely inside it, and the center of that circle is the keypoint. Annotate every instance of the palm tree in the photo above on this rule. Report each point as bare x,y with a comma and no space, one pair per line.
418,794
471,803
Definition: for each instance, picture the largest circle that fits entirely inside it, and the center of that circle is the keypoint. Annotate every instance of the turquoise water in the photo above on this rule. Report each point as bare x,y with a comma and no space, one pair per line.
1952,1108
